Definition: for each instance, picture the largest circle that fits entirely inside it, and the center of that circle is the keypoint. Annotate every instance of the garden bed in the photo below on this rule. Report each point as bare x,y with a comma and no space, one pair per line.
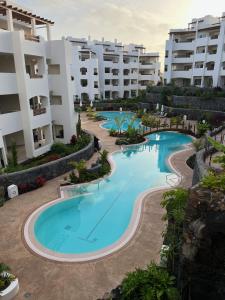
58,150
31,178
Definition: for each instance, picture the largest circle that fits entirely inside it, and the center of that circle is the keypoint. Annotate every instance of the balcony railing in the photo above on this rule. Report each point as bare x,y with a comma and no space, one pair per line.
33,38
39,111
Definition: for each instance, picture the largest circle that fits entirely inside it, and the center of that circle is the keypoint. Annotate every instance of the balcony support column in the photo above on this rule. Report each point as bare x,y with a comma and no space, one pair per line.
49,34
9,20
33,26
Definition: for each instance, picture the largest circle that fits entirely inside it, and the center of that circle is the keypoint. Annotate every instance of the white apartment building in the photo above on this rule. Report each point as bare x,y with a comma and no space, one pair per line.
36,87
196,55
110,70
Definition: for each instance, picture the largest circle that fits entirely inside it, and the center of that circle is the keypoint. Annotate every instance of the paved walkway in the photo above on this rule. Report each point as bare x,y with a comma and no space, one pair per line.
41,279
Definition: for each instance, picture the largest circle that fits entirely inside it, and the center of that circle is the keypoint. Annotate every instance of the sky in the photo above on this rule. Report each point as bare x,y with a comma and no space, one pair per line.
144,22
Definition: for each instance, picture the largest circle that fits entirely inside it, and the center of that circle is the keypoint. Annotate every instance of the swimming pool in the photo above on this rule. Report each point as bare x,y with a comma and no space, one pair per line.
110,123
97,215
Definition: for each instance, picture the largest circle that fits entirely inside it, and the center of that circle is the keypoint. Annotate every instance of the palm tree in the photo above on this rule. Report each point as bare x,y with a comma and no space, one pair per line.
79,166
103,155
119,121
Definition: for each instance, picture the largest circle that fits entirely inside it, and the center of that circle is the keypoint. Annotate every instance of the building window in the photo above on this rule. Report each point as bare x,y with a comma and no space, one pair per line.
95,71
165,68
107,70
107,82
84,82
55,100
59,131
83,71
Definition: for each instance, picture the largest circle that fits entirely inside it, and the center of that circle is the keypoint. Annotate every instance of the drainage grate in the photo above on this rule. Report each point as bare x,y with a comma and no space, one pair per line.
27,295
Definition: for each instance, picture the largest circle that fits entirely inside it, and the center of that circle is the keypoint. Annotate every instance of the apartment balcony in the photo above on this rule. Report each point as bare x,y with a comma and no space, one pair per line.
134,86
209,72
115,88
223,55
8,84
201,42
222,71
211,57
31,37
134,75
146,77
198,71
33,48
37,86
200,56
183,46
181,74
11,122
212,41
141,87
133,65
110,64
39,111
6,42
40,119
183,59
148,66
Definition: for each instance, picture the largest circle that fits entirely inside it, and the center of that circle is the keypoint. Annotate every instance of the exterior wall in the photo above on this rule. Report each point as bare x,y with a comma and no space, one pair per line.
143,68
59,52
196,55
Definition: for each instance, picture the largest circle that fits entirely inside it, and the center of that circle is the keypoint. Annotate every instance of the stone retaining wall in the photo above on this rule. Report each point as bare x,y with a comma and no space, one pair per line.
214,104
49,170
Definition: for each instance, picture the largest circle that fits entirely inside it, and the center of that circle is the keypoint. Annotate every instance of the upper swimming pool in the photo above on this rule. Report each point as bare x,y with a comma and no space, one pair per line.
110,123
97,215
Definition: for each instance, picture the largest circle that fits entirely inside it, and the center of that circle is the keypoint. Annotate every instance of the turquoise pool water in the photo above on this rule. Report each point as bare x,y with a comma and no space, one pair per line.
110,123
98,214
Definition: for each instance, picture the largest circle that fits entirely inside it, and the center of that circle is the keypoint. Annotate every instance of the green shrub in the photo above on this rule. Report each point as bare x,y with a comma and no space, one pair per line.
174,202
213,181
150,121
154,283
202,128
60,148
5,279
219,147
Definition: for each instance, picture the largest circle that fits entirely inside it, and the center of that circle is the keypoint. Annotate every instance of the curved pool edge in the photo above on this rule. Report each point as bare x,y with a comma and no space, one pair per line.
37,248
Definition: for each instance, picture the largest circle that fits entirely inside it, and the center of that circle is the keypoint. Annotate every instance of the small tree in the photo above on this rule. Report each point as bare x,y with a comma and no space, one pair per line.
119,121
79,131
202,128
80,167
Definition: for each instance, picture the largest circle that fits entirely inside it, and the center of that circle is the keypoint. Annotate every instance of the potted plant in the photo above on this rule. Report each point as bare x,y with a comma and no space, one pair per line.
9,285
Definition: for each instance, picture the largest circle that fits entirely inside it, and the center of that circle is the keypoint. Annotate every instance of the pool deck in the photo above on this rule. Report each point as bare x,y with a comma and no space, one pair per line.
47,280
